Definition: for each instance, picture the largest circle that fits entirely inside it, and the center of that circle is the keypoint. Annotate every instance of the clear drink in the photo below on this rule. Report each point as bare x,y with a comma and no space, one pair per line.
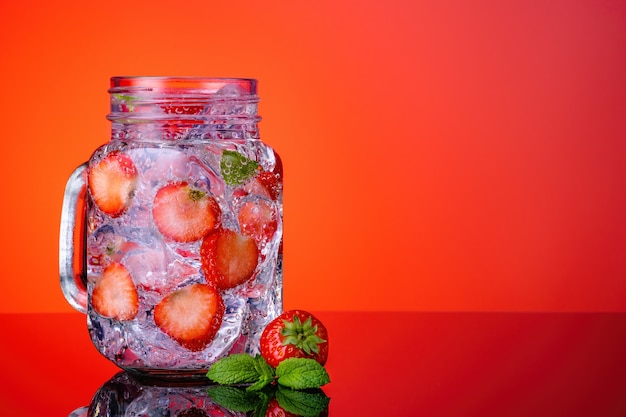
181,257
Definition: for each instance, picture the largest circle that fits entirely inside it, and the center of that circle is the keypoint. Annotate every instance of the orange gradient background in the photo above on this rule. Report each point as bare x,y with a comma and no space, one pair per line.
439,155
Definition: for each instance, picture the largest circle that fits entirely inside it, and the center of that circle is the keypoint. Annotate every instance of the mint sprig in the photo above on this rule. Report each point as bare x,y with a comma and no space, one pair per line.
236,168
265,372
294,373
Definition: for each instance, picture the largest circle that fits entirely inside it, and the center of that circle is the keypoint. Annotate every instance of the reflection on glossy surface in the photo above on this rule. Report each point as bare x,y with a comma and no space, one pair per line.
272,401
124,396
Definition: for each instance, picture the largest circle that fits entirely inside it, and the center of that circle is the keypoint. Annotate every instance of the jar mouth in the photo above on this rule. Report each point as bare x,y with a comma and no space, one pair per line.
205,86
184,107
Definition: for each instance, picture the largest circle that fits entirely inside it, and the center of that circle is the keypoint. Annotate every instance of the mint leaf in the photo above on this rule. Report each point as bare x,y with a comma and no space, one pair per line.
233,398
302,403
265,371
234,369
236,168
301,373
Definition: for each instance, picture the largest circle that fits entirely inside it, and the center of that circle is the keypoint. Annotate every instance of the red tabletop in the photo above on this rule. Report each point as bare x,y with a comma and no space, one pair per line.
381,364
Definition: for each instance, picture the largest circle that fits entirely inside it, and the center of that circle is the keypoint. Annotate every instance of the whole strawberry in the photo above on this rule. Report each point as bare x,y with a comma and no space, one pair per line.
294,334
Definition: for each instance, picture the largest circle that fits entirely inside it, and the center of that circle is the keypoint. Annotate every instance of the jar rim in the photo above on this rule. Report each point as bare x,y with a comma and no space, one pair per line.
200,85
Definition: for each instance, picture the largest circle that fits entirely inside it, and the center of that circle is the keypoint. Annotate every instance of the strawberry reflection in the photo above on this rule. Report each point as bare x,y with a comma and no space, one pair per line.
123,396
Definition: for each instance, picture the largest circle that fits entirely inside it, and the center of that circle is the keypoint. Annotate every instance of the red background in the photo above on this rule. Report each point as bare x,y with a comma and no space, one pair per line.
458,155
449,364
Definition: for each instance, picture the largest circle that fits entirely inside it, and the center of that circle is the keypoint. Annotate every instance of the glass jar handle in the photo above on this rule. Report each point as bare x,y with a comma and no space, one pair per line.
72,240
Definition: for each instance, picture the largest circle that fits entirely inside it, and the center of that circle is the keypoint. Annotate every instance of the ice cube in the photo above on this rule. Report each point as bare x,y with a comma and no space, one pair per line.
231,90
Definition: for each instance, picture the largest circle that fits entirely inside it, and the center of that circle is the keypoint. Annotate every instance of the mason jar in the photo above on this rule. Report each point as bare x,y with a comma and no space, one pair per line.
171,233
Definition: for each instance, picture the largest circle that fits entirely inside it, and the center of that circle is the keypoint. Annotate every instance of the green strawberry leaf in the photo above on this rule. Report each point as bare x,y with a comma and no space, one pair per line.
302,403
236,168
234,369
301,373
233,398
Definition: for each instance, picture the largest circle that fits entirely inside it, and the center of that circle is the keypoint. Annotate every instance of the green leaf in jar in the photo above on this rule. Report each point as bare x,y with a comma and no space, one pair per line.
236,168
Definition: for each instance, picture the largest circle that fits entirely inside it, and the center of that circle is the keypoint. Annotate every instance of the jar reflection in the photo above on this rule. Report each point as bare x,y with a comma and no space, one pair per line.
125,396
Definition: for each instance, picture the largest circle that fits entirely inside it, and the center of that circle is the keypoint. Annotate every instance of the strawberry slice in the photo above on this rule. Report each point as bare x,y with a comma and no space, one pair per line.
114,294
112,182
265,184
183,213
191,315
258,219
228,258
271,182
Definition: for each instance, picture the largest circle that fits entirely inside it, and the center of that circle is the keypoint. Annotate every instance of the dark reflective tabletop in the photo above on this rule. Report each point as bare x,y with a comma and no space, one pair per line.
381,364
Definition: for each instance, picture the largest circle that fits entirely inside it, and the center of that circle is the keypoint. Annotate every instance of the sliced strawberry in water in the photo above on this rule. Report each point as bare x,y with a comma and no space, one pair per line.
112,182
271,182
258,219
264,184
228,258
191,315
183,213
114,294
